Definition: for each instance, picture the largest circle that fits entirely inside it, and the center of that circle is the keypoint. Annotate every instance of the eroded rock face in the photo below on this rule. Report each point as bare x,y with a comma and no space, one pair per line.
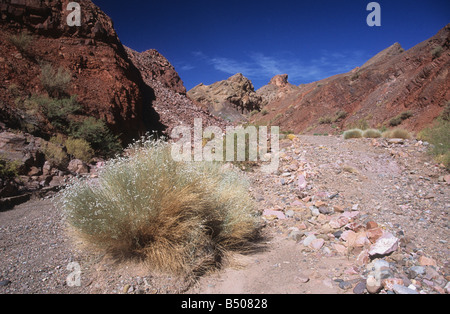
107,84
155,67
230,99
277,88
392,82
172,105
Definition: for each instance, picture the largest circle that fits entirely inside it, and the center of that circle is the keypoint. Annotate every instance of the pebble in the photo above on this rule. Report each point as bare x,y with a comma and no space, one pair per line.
4,283
399,289
309,239
345,285
360,288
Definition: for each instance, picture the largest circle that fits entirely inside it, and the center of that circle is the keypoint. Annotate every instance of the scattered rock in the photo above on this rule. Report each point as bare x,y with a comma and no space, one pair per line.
399,289
385,245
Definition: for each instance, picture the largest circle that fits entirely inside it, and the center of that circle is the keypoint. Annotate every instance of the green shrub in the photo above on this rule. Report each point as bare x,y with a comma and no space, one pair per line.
21,41
437,52
57,111
445,115
8,169
354,133
55,82
439,136
264,112
175,217
98,135
372,133
79,148
55,154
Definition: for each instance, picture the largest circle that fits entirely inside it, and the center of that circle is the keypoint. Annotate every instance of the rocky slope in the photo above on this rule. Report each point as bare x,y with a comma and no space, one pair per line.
106,83
393,82
231,99
277,88
170,101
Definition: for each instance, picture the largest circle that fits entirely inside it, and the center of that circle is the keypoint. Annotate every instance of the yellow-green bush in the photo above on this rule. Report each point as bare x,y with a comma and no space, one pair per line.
354,133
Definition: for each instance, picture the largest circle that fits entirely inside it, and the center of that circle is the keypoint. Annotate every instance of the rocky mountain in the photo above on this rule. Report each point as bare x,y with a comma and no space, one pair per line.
60,80
107,85
277,88
395,87
231,99
170,100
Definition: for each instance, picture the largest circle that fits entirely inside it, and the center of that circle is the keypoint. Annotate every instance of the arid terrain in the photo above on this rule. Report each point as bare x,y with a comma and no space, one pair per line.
396,186
341,216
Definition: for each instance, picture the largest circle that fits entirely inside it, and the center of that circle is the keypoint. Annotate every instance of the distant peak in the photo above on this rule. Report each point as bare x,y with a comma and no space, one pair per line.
279,80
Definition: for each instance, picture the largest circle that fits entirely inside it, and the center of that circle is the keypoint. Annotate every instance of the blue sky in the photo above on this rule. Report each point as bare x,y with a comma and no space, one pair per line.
209,41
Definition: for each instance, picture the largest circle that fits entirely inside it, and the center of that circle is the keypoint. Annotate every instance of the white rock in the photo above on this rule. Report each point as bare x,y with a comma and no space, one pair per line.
384,245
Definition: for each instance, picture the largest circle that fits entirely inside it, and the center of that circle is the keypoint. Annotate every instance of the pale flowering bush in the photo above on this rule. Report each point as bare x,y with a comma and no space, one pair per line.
174,216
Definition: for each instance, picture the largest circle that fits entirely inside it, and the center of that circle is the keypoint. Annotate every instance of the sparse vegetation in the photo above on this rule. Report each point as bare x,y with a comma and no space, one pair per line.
354,133
397,133
21,41
174,217
437,52
264,112
396,121
372,133
439,136
55,82
8,169
361,124
79,148
98,135
55,154
338,116
57,111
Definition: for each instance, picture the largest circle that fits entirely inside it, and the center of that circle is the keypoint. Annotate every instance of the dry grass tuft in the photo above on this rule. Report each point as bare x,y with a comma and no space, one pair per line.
355,133
372,133
397,133
175,217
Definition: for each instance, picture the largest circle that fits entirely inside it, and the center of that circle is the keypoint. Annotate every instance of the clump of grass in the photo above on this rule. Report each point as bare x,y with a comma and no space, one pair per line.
55,81
437,52
397,133
21,41
175,217
354,133
372,133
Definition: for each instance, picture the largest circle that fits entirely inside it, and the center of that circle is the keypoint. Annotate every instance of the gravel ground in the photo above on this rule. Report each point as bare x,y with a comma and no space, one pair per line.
396,185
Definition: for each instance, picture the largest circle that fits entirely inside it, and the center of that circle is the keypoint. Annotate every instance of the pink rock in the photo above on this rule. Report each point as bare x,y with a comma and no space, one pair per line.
277,214
384,245
351,215
302,182
317,244
339,248
363,258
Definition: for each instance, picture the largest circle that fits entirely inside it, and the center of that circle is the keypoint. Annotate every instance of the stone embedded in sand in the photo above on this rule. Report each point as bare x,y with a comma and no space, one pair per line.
274,214
385,245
